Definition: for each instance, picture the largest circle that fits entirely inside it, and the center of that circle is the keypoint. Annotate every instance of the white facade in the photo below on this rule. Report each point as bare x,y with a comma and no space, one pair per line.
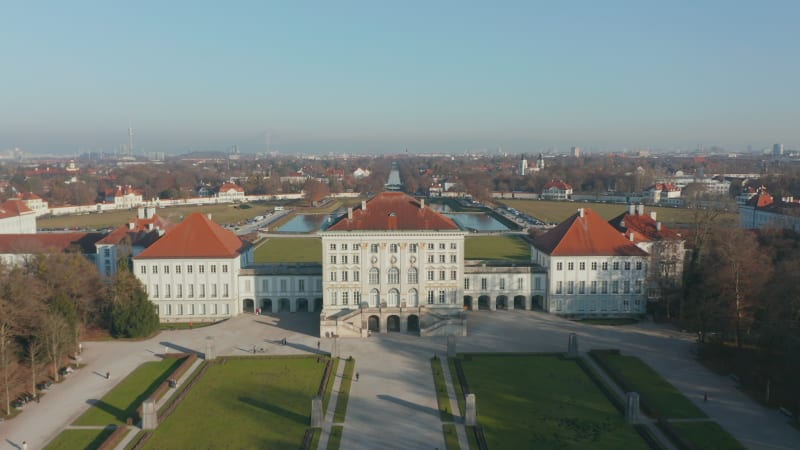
503,285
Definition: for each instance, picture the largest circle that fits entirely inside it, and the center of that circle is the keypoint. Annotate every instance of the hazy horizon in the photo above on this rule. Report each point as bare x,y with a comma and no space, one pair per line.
362,77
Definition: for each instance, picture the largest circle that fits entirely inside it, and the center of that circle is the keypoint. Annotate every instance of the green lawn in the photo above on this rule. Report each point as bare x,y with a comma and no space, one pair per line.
451,364
651,386
83,439
556,212
442,399
544,402
450,437
282,250
244,403
707,435
335,438
221,213
121,403
496,247
344,391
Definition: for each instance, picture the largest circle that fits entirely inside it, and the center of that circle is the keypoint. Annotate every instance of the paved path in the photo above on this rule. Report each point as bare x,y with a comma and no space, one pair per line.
457,413
327,421
393,405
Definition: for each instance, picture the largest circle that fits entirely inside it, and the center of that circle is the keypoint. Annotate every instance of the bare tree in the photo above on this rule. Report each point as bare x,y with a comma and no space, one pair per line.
56,335
33,350
6,350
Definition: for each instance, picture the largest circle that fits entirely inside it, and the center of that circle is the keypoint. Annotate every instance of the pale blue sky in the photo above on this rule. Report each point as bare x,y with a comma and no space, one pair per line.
382,76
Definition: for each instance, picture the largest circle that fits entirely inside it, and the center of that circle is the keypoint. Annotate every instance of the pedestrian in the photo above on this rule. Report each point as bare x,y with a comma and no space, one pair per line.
24,445
108,375
80,348
705,396
356,376
191,325
317,345
254,349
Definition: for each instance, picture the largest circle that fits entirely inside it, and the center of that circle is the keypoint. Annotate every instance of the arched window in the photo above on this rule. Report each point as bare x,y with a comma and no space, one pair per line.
374,298
412,276
394,275
413,298
374,276
394,298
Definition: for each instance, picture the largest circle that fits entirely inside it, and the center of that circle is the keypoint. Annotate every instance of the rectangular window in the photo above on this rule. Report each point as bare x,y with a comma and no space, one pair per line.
570,287
453,275
519,283
638,287
169,309
202,309
581,287
502,284
301,285
167,291
357,297
626,286
179,291
441,274
441,296
559,266
616,265
582,266
594,287
430,258
393,248
638,265
155,268
453,259
344,259
332,247
356,246
191,309
177,269
213,268
355,259
283,285
484,283
431,246
412,248
213,290
453,246
215,309
344,246
202,291
345,297
559,287
333,276
627,265
570,266
373,248
224,291
344,275
594,265
605,265
227,309
333,259
442,246
189,268
537,283
604,287
466,283
224,268
615,287
107,252
191,291
441,259
430,296
265,285
155,291
412,276
201,268
430,275
166,269
180,310
143,269
356,275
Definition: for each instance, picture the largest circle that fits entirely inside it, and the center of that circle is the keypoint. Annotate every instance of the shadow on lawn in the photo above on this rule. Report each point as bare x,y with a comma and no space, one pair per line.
119,414
293,416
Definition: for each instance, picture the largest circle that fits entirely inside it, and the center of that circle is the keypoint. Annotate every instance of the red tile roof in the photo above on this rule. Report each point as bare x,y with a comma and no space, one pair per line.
643,227
141,228
47,242
196,237
394,211
13,208
589,235
558,184
230,187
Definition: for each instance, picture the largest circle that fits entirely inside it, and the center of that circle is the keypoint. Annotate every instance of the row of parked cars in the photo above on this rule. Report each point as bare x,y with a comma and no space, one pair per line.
27,397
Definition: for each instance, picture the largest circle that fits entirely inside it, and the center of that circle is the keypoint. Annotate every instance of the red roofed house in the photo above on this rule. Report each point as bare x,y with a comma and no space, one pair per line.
763,211
392,265
665,193
557,190
34,203
230,192
192,272
592,269
124,197
665,246
21,248
131,239
16,218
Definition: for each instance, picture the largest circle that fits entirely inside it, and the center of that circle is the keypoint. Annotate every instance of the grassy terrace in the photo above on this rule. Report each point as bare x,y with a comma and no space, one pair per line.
442,399
84,439
340,411
245,403
543,402
220,213
283,250
121,403
652,387
496,247
556,212
329,387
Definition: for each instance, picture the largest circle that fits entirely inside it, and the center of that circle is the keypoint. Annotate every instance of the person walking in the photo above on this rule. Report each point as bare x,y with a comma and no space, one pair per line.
24,445
108,375
317,345
356,376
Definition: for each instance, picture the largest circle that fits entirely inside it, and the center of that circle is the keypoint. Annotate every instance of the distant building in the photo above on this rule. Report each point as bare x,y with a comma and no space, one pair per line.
124,197
777,150
763,211
17,218
576,152
360,173
18,249
394,183
557,190
230,192
668,193
523,167
592,270
131,239
540,162
35,203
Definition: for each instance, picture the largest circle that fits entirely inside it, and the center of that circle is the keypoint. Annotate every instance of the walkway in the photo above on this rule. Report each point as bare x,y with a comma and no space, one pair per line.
327,421
457,413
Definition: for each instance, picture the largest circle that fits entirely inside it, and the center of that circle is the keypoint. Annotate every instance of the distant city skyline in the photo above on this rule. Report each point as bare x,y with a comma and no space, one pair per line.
358,77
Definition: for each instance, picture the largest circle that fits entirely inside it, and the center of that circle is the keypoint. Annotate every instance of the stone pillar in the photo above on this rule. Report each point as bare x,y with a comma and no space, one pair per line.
632,407
528,303
293,305
493,303
510,303
211,348
403,324
149,415
471,415
316,412
451,346
572,346
274,306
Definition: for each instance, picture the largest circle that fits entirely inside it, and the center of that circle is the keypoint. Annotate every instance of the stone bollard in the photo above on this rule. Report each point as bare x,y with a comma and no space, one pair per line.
451,346
572,346
316,412
149,415
632,407
210,348
471,415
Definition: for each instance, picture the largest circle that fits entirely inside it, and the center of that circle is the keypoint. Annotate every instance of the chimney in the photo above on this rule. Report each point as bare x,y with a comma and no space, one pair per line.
622,223
209,216
653,215
131,225
422,203
392,221
580,212
631,236
350,213
150,226
631,209
363,205
658,226
640,209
